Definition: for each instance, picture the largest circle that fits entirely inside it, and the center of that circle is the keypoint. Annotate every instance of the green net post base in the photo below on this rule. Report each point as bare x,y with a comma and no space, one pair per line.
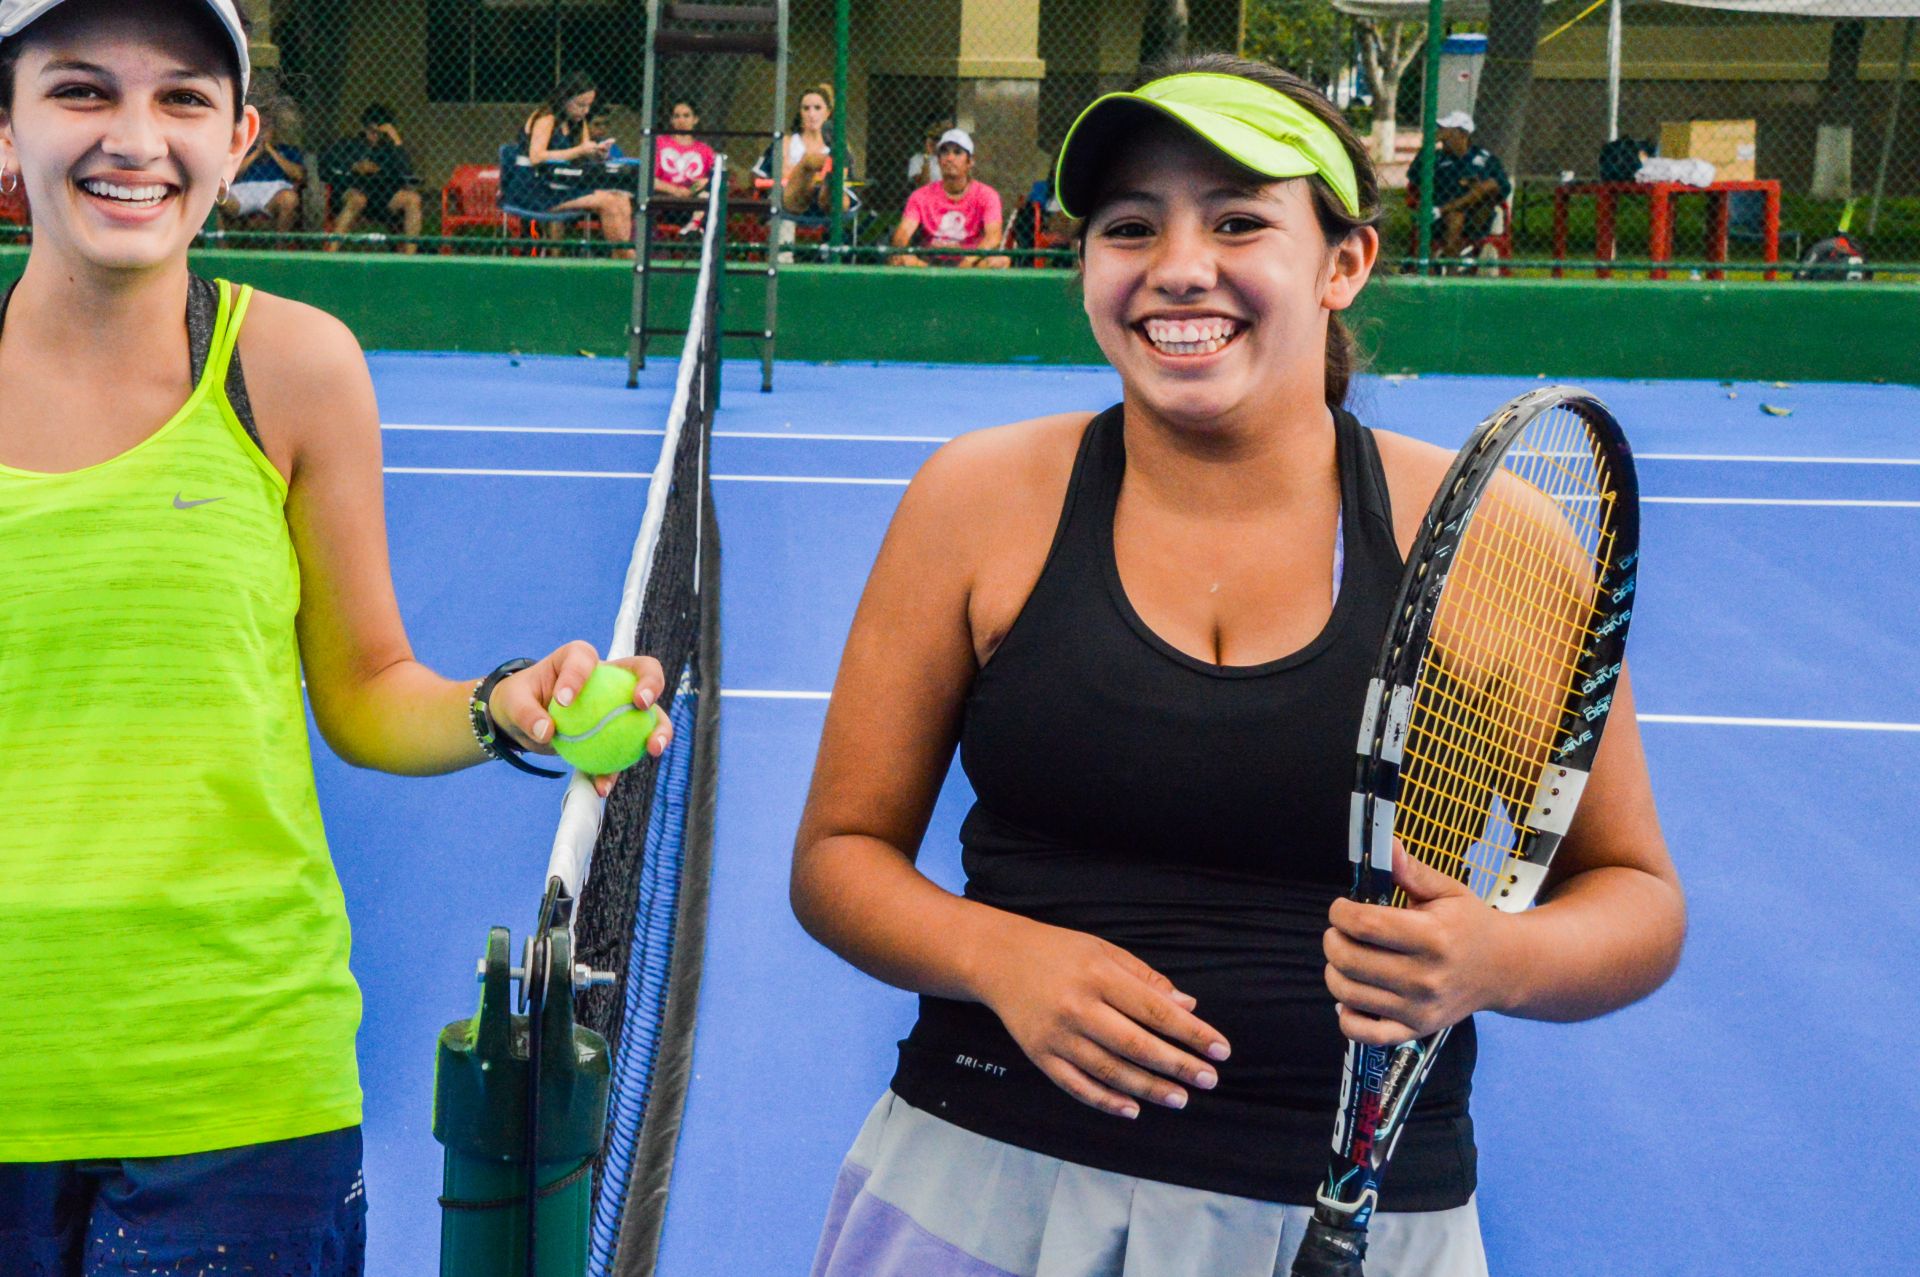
480,1115
489,1237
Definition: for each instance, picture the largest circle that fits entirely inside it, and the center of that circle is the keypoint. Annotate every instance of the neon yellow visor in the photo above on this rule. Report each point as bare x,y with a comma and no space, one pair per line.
1256,127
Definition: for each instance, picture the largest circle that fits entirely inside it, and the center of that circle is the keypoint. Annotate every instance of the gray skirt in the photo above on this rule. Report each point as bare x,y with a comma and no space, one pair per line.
920,1197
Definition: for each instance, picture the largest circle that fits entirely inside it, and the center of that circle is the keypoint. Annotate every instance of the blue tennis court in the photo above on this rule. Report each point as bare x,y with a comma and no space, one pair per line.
1752,1108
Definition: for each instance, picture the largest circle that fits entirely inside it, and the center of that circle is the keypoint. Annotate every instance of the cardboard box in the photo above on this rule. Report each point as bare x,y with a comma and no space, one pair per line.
1728,145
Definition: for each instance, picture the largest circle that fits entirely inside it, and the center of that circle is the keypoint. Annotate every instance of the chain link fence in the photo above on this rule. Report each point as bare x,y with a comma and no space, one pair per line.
1657,136
1669,137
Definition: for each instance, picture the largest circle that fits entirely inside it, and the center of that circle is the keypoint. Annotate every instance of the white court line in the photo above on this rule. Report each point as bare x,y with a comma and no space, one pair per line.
1835,502
750,694
1823,724
810,437
718,434
808,478
1685,720
1766,460
520,474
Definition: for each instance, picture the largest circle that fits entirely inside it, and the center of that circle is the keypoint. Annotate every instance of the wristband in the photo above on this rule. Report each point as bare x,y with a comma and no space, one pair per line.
496,742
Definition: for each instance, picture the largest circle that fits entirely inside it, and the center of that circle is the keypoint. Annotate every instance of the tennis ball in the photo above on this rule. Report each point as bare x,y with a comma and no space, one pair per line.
603,731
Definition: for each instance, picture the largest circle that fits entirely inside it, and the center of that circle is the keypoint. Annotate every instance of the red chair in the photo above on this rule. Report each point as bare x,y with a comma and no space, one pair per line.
14,212
1034,213
470,200
1496,244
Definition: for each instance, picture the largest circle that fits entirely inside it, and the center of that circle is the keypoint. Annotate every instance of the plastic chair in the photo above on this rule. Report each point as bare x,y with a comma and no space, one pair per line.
1496,244
812,228
1031,218
516,219
470,200
14,212
1747,223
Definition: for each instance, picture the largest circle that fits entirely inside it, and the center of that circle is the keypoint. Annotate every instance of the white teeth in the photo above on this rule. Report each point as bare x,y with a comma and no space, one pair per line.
1190,337
141,195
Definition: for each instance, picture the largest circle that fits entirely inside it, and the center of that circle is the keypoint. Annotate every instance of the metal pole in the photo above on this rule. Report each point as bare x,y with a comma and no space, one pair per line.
643,199
836,189
1430,131
1893,125
778,211
1613,69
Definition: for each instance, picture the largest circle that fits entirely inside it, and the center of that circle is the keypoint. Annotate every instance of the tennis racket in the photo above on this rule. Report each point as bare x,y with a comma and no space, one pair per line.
1482,719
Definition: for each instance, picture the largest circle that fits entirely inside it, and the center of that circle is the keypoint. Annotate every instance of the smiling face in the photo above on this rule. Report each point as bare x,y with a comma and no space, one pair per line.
1210,296
122,128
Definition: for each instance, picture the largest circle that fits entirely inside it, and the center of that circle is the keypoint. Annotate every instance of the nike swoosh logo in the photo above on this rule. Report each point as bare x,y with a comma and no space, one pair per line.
178,504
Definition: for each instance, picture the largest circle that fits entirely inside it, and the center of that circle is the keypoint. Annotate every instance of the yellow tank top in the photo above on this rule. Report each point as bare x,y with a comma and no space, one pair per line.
171,924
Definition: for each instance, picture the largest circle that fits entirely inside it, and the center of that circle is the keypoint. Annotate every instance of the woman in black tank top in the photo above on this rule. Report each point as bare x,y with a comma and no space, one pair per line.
1148,634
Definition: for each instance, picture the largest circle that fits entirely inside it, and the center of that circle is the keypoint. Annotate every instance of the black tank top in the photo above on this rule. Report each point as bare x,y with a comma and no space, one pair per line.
1196,816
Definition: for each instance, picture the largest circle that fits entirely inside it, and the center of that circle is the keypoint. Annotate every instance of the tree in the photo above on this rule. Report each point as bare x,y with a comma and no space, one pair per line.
1307,37
1388,49
1839,107
1500,109
1164,33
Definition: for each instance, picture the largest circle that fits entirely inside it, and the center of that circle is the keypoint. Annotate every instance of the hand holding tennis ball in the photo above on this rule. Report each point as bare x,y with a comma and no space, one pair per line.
555,696
605,730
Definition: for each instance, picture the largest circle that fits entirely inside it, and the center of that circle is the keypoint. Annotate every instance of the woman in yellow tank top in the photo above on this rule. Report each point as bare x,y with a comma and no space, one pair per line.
173,555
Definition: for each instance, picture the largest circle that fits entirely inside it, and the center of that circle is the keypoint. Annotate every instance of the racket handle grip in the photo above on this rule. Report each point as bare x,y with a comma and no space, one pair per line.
1330,1250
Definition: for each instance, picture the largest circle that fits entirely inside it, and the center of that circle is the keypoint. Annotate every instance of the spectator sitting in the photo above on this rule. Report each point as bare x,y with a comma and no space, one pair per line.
957,212
371,169
808,160
1469,185
268,187
924,167
683,165
560,133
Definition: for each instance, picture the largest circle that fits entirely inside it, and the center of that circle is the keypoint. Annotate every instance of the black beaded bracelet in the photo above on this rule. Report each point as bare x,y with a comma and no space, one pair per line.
496,742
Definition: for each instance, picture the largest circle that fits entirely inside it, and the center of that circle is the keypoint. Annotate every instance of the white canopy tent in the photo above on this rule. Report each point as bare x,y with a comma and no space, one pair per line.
1822,10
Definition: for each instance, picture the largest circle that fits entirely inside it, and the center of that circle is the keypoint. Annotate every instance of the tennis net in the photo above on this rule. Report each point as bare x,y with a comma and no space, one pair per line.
637,865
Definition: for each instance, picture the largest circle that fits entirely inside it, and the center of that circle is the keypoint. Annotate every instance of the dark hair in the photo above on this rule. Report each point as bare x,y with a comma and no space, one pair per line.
569,88
686,102
376,114
1336,223
822,91
196,13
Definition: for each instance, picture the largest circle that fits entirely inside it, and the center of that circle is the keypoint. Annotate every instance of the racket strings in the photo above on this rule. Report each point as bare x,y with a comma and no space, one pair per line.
1497,689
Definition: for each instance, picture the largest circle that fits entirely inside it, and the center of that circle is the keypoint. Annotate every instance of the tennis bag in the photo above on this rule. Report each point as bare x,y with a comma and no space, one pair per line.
1836,257
1620,158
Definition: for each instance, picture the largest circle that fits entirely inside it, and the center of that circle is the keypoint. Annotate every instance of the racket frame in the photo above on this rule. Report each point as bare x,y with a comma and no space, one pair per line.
1379,1084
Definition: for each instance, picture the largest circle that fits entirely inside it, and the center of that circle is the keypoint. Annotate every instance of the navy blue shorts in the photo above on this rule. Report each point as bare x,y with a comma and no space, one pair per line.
293,1207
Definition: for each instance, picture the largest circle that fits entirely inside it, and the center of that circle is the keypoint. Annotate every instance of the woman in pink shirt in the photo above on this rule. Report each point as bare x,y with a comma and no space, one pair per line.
956,211
683,165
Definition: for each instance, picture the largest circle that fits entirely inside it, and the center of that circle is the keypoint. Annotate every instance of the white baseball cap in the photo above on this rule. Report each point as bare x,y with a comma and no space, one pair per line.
17,15
1456,120
957,137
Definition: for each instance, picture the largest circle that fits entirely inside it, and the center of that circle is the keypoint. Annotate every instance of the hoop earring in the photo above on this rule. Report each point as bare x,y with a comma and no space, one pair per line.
7,188
226,189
